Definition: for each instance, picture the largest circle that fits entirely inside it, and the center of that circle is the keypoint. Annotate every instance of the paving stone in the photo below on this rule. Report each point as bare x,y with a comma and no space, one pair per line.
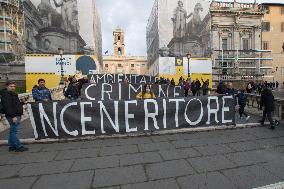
212,180
73,180
211,163
19,158
5,158
101,143
248,157
188,143
159,184
244,146
76,154
46,168
22,183
250,177
139,158
162,138
213,149
179,153
155,146
168,169
62,146
9,171
119,176
276,168
116,150
135,140
96,163
272,142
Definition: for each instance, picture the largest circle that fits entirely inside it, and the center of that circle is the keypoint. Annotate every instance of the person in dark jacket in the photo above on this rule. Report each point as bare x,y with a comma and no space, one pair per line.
13,110
198,87
193,88
205,86
40,92
221,88
230,90
267,104
242,100
72,91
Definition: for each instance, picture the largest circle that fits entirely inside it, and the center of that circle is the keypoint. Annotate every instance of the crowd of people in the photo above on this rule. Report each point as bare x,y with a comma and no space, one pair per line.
12,107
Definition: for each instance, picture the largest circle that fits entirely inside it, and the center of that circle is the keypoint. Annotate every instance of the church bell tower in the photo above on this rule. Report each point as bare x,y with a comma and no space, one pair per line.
119,46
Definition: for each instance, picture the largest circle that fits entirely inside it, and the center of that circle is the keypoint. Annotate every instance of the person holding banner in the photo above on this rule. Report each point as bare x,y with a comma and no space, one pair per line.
40,92
147,93
72,91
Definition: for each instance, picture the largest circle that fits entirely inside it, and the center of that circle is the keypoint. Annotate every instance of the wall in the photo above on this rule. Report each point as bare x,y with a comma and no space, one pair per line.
275,38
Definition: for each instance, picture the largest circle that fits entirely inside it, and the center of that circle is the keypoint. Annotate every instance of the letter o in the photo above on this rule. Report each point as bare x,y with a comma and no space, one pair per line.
200,117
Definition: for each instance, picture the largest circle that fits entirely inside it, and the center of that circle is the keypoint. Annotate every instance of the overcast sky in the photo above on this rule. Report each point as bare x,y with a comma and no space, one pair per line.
132,16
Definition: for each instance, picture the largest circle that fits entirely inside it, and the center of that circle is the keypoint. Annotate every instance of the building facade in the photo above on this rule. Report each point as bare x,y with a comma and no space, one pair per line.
12,49
119,63
228,33
273,38
235,30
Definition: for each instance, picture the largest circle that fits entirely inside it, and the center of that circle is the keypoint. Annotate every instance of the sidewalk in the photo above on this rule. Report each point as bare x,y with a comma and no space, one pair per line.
229,159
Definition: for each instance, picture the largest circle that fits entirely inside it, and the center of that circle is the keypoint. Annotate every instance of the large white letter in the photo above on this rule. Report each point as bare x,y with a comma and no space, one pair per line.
43,115
86,92
176,94
85,119
129,116
165,113
150,115
200,117
177,108
226,109
133,88
103,109
161,91
212,111
73,133
119,79
107,92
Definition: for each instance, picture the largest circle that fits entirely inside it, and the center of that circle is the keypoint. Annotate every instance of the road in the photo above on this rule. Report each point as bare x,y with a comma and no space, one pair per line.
239,158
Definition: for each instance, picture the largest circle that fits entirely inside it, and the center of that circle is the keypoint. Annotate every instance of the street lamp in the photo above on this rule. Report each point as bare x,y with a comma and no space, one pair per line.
61,52
188,55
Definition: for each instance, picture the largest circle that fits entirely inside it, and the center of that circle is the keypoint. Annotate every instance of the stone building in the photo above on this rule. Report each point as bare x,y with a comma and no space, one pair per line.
273,38
12,47
119,63
235,30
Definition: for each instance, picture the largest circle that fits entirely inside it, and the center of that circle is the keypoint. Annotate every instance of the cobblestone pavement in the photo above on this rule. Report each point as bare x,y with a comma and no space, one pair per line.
229,159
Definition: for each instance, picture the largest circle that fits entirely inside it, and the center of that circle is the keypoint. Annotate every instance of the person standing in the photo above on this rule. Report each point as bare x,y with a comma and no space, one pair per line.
242,100
13,110
198,87
72,91
205,86
186,88
146,93
193,88
267,104
40,92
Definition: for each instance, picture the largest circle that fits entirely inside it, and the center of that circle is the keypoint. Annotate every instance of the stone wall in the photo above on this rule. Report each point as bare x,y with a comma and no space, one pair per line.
57,94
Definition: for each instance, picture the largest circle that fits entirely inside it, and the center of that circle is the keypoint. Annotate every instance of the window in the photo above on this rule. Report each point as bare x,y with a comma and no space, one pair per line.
245,44
225,44
282,10
266,9
282,26
106,65
283,47
118,37
282,71
265,26
132,65
119,51
119,65
265,45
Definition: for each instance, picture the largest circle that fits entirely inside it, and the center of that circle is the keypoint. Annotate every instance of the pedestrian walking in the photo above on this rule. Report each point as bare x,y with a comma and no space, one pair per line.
242,101
267,104
40,92
13,110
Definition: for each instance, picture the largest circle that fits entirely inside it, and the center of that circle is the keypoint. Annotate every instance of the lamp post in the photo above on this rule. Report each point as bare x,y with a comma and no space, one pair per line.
188,55
61,52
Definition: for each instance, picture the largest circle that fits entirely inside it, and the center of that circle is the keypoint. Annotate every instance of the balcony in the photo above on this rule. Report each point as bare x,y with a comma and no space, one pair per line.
15,3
